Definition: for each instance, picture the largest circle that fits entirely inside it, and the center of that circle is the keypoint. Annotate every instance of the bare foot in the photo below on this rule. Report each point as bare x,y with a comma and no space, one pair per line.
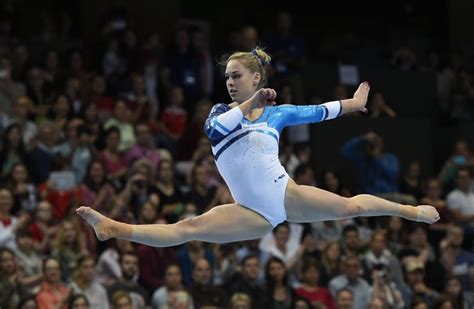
427,214
100,223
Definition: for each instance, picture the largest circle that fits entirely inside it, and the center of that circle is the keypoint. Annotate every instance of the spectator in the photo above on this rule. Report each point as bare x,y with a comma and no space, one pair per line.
80,301
25,193
304,175
144,148
344,299
378,170
384,288
10,295
67,248
191,138
152,274
226,262
121,120
251,247
84,283
96,190
461,201
12,149
53,293
288,251
28,260
378,254
414,275
444,302
92,122
129,269
395,234
53,72
352,280
108,265
330,262
326,232
352,244
241,301
122,300
165,296
246,282
182,68
39,91
169,193
461,156
10,89
433,197
138,102
455,260
21,109
203,292
43,152
377,303
9,224
311,288
42,227
203,193
189,254
411,180
418,241
82,152
278,292
111,156
98,97
454,289
174,118
61,113
331,182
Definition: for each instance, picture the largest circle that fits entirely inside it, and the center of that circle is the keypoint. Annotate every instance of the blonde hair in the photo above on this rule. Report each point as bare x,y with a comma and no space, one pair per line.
256,61
243,297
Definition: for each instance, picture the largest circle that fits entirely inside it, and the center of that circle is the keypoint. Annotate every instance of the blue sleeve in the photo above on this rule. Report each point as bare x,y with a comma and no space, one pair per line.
351,150
221,121
293,115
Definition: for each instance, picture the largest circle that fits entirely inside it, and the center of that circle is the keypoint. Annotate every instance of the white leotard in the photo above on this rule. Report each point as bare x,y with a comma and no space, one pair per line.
246,152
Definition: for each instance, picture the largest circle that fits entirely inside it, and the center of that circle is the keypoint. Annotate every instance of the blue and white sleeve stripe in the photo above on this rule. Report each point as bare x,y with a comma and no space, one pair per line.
222,120
227,121
333,109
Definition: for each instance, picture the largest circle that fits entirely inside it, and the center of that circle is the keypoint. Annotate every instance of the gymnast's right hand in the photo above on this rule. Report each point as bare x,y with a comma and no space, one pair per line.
264,96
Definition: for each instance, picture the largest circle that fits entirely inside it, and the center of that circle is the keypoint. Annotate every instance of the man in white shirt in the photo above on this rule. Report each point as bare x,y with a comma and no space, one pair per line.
461,200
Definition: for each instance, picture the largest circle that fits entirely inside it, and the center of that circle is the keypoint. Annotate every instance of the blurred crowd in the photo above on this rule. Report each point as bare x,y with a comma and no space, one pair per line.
119,128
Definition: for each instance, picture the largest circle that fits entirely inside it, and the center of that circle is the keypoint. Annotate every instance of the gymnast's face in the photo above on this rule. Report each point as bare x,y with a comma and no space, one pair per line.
241,82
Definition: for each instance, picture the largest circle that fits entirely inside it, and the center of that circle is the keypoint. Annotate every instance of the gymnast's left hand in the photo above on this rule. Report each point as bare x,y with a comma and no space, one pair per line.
264,96
360,97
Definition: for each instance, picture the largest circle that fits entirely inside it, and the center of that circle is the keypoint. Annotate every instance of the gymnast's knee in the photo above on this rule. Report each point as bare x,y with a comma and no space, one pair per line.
354,207
186,229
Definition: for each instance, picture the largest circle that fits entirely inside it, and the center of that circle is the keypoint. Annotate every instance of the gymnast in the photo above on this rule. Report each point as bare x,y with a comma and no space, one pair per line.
244,137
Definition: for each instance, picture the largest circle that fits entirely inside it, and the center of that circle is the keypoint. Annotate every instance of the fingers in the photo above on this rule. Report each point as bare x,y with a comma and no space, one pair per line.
270,96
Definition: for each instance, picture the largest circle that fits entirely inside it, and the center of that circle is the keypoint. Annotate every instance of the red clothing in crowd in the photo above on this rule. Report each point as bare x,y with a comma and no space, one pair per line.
321,295
175,120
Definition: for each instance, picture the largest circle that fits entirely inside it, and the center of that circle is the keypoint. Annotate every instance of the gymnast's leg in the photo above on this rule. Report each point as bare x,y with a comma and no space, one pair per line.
310,204
225,223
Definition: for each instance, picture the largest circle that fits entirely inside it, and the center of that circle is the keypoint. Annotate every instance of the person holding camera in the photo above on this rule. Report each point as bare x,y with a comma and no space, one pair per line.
378,170
385,288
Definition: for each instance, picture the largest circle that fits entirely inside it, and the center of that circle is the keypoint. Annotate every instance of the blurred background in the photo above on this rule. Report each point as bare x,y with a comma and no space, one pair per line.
103,104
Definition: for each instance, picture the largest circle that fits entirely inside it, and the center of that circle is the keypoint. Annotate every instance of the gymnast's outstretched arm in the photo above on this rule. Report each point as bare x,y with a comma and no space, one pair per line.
292,115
